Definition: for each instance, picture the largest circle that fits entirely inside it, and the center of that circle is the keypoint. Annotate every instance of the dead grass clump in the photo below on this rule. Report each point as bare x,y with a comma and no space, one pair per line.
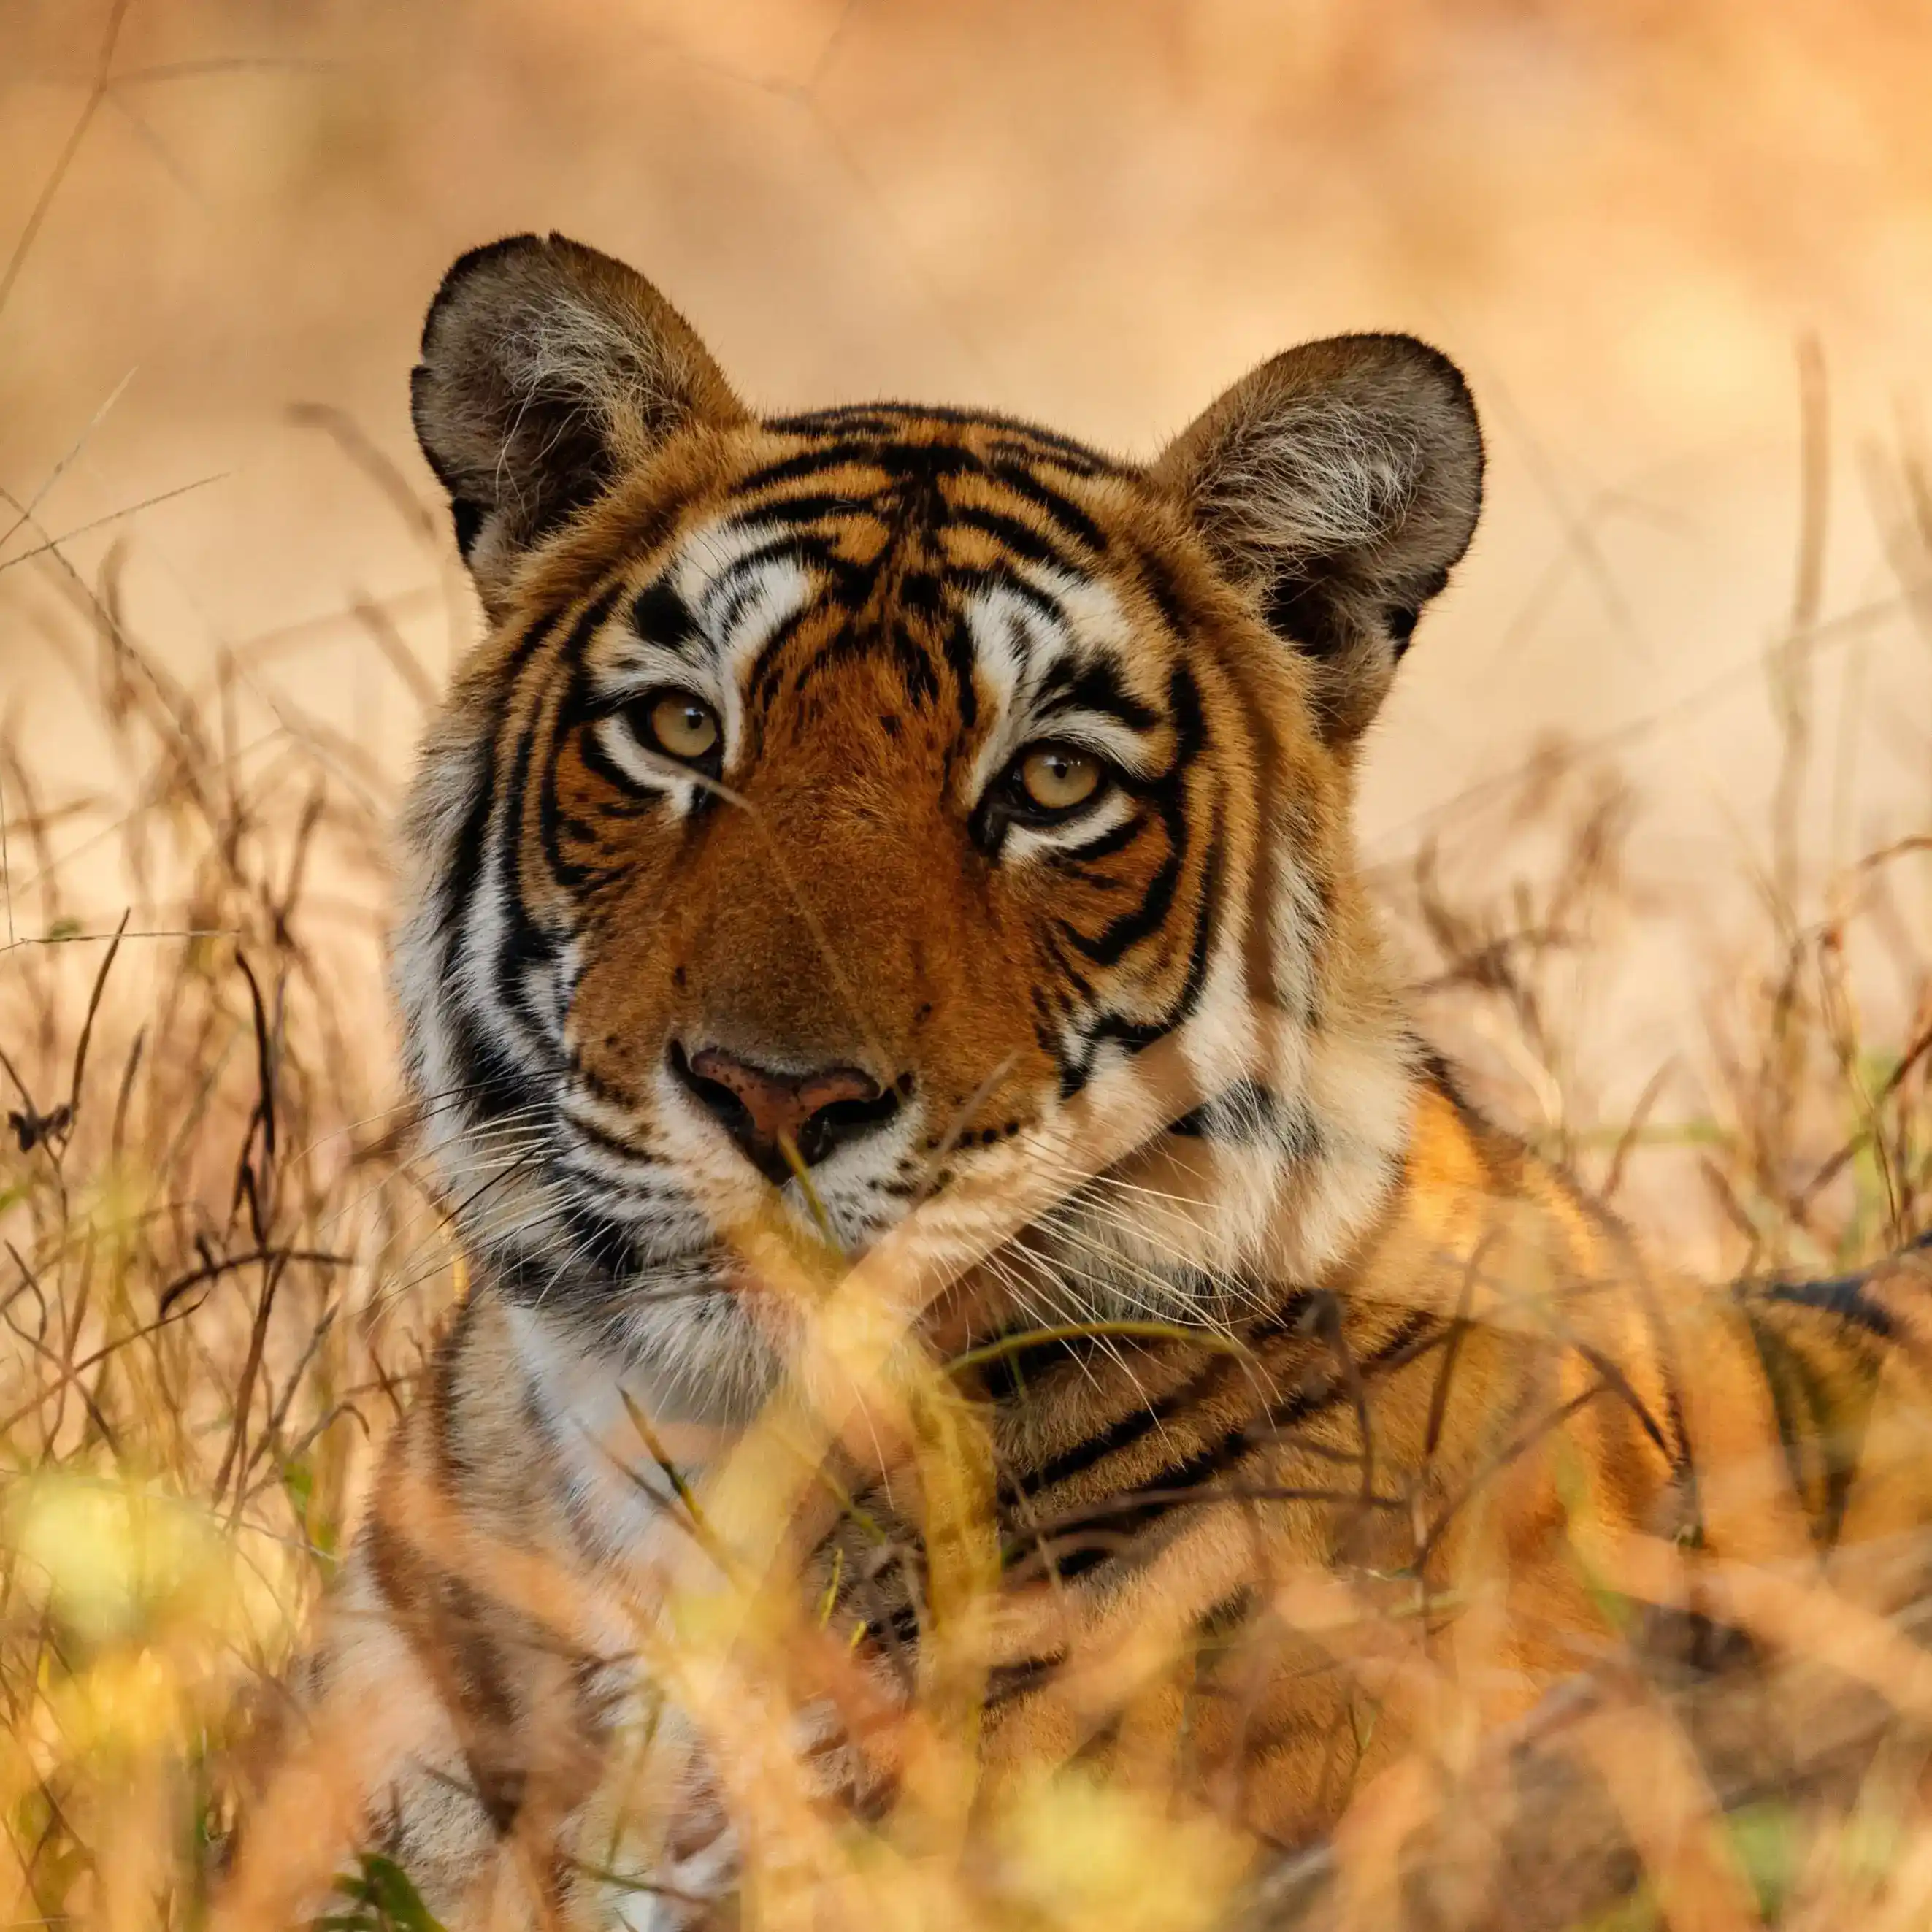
220,1280
223,1280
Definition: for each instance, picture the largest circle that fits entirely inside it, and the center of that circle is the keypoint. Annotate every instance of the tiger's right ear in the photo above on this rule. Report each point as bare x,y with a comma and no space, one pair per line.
548,371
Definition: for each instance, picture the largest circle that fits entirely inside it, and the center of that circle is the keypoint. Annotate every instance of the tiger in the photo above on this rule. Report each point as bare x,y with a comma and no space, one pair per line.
906,824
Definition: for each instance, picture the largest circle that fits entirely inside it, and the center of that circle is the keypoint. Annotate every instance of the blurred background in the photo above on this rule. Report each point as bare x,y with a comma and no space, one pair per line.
1663,236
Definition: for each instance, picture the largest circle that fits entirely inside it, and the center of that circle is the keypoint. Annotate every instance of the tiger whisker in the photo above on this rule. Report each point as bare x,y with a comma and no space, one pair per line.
1073,1315
1230,1284
1079,1239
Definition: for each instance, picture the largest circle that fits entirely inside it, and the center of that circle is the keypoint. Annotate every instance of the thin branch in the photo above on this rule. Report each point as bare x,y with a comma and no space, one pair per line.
212,1270
87,1024
96,93
112,516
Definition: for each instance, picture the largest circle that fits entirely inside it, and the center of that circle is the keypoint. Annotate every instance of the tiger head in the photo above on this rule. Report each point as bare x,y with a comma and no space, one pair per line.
842,806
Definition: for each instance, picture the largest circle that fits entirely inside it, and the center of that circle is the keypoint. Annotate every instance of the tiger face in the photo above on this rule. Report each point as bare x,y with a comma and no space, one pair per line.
840,802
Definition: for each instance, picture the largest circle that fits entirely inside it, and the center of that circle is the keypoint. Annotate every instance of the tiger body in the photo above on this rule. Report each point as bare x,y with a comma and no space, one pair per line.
849,821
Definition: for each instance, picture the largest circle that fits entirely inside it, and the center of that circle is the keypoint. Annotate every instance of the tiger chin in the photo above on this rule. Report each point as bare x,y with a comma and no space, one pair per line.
853,824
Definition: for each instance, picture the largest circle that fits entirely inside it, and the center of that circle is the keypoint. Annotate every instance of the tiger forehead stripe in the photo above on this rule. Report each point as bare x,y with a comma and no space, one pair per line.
1008,436
927,481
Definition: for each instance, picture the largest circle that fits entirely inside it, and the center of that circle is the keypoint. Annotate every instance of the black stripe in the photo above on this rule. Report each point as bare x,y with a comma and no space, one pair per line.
1843,1296
922,593
1023,437
988,576
842,416
1068,866
1247,1113
1117,839
580,706
794,547
660,616
1190,720
484,1070
596,759
1216,1458
960,660
1005,1379
599,1088
1819,1431
466,866
1122,1433
763,682
1061,452
1136,1036
603,1244
1022,539
1224,1619
1168,792
1089,685
482,1061
1057,955
602,1137
1291,1313
1159,583
1067,514
1006,1681
912,475
1110,945
814,506
884,639
1020,439
526,945
806,463
482,1064
522,944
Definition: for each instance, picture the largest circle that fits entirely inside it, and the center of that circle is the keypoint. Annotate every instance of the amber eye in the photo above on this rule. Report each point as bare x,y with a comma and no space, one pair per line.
681,725
1057,778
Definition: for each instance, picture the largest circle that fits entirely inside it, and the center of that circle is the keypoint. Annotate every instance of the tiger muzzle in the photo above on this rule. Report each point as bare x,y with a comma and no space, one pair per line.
764,1109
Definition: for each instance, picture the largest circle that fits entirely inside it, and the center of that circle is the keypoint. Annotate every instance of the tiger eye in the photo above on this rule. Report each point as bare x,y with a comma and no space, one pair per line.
684,726
1056,777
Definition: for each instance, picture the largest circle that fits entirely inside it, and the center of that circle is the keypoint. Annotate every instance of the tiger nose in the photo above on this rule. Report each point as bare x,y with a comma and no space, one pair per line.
762,1108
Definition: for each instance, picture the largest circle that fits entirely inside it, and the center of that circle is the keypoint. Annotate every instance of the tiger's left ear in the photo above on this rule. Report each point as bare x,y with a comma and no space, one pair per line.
1337,485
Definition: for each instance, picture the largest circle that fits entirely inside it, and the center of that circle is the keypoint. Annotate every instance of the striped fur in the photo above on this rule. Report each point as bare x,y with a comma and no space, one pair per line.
1373,1310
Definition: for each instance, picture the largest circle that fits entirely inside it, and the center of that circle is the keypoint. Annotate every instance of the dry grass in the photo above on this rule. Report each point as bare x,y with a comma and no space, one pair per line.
222,1276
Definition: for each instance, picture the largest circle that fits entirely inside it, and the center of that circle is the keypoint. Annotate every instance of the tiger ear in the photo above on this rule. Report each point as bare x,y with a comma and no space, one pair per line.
548,371
1337,485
